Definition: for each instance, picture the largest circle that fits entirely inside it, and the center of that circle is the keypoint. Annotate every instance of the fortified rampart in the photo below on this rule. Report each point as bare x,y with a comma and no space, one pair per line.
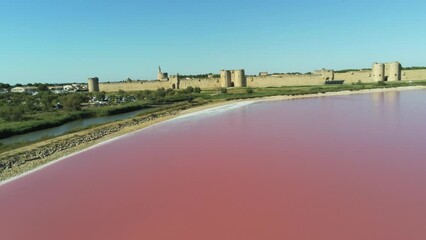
285,80
202,83
413,75
237,78
133,86
355,76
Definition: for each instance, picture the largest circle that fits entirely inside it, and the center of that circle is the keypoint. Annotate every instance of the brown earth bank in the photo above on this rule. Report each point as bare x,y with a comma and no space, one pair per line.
19,161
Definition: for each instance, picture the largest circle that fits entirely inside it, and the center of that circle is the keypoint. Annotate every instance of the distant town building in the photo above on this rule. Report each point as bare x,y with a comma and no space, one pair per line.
24,90
263,74
57,89
79,87
3,90
69,88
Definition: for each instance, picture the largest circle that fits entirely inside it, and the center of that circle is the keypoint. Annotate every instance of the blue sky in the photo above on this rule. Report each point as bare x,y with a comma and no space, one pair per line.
69,41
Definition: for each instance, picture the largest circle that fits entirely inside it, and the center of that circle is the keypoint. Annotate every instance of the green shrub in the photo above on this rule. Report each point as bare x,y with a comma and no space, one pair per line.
189,90
10,113
72,102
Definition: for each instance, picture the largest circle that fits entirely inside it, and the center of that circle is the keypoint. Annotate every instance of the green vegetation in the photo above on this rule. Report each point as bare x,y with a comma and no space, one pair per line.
413,68
22,113
5,85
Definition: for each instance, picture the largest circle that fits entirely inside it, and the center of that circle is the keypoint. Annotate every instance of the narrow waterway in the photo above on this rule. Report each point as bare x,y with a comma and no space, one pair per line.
341,167
59,130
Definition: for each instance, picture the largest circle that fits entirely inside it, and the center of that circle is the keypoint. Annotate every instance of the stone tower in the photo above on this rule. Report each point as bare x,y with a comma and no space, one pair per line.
393,71
378,72
225,78
240,78
386,71
93,84
174,81
161,76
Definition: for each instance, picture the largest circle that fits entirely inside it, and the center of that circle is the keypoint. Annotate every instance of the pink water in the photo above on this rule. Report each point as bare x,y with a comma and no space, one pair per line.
344,167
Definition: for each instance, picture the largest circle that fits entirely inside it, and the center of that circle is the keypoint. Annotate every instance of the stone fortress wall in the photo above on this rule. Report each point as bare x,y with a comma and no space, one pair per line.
237,78
412,75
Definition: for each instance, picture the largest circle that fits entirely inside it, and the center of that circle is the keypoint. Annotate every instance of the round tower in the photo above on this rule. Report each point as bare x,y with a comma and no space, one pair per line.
225,78
394,73
378,72
240,78
93,84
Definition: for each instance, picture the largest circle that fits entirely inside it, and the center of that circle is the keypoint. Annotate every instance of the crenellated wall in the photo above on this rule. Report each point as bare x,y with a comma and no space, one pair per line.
204,83
237,78
354,76
413,75
133,86
285,80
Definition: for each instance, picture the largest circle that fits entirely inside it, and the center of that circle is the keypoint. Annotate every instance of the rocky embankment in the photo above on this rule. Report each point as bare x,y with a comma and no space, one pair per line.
11,161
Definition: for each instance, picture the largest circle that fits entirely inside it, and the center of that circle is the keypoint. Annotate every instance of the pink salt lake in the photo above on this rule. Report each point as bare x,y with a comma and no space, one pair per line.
342,167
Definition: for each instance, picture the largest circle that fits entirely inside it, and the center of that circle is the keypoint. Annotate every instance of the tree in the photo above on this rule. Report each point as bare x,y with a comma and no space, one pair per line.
197,90
12,113
161,92
121,92
189,89
4,85
46,100
99,96
169,91
72,102
42,87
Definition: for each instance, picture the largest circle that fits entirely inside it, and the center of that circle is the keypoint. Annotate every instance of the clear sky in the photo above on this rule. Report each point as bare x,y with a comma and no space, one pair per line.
69,41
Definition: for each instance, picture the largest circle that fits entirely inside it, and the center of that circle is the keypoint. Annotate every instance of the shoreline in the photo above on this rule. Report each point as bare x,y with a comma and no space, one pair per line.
32,166
288,97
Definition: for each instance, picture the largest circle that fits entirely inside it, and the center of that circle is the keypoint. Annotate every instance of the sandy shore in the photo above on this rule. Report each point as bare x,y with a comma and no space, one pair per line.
18,171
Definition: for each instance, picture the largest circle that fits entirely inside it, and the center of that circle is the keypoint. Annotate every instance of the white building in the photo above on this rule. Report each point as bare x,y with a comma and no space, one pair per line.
56,89
3,90
69,88
24,90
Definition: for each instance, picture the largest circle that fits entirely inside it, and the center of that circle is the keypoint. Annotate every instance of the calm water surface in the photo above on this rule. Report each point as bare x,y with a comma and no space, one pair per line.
343,167
56,131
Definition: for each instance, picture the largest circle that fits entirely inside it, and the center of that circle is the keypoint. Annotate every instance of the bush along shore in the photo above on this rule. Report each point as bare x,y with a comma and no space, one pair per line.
22,161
